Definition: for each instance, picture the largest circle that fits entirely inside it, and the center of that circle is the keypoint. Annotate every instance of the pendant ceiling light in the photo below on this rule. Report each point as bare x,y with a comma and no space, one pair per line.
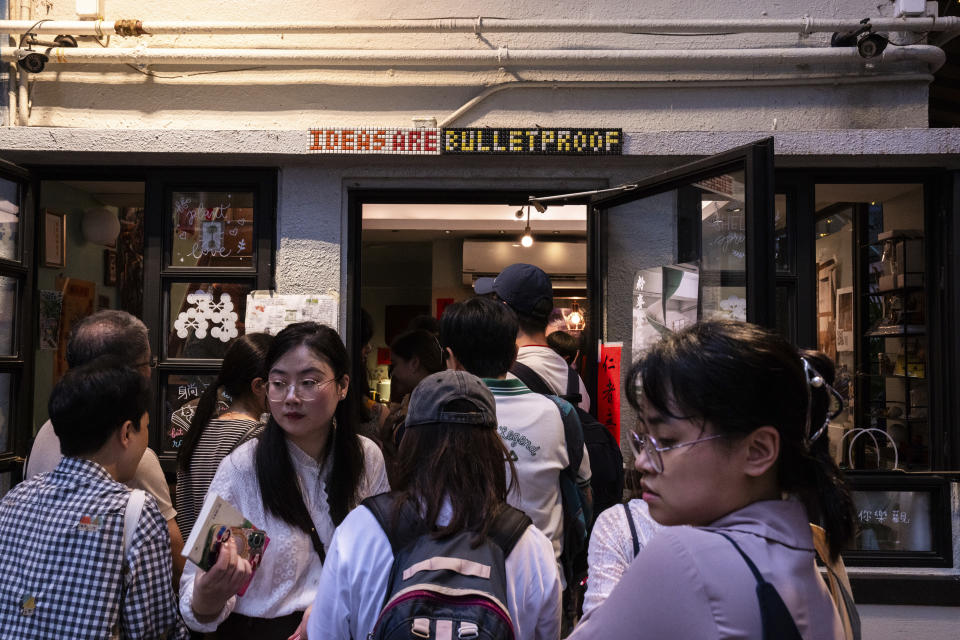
526,239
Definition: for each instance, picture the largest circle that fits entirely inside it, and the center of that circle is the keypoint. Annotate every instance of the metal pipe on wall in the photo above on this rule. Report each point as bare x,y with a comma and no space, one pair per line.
483,25
572,58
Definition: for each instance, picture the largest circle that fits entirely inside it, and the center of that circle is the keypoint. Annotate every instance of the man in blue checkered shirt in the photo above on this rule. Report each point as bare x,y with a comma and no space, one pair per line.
67,571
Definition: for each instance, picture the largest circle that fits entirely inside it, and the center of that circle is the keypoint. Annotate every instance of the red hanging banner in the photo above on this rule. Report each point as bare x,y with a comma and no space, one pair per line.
608,387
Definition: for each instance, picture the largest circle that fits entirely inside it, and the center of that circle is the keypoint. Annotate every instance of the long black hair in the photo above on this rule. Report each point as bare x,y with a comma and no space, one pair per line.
242,363
274,467
738,377
467,466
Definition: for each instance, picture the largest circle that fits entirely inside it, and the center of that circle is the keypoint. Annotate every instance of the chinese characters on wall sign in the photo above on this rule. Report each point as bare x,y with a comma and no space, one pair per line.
577,141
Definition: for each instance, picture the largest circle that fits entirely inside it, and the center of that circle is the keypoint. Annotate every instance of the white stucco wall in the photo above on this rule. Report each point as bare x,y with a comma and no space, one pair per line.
272,97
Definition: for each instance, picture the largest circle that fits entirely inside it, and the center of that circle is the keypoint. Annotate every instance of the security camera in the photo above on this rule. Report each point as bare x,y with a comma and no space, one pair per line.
871,45
31,61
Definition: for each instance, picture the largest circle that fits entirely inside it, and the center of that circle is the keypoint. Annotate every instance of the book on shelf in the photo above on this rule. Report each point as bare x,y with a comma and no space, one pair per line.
217,522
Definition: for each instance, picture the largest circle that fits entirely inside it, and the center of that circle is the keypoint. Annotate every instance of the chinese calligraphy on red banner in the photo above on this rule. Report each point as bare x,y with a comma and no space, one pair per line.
608,387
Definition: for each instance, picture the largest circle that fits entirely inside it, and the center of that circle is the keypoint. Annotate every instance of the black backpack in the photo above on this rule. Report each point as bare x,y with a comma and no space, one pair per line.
606,459
447,587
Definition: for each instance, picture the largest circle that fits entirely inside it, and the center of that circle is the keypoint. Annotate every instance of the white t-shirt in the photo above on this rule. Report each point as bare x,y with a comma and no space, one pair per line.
357,572
532,430
287,578
550,366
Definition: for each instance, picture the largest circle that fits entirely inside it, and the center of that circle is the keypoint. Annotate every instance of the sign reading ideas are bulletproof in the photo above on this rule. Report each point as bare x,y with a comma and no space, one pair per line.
552,141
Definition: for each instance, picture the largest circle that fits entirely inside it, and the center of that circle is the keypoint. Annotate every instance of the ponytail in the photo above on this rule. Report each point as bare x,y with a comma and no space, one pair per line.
206,408
815,476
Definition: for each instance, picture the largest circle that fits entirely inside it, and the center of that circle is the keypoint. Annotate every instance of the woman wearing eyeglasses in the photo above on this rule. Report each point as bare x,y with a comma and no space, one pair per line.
297,482
731,440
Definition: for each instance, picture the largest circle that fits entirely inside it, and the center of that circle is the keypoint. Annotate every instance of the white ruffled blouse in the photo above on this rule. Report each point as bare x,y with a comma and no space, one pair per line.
611,548
287,578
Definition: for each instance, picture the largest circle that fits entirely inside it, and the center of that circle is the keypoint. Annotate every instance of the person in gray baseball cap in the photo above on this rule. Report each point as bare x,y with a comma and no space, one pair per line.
452,471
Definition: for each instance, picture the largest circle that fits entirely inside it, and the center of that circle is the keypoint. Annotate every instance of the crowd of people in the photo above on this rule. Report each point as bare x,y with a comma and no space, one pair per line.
462,509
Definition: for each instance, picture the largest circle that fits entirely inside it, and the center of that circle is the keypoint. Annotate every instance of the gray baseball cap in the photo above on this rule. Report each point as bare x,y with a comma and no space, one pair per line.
436,391
483,286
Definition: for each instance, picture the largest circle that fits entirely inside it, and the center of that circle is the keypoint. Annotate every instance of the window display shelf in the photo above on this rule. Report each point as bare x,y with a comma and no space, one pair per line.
897,330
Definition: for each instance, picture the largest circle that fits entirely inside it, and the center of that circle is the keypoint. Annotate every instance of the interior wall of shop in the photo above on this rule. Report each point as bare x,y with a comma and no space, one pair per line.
83,261
272,97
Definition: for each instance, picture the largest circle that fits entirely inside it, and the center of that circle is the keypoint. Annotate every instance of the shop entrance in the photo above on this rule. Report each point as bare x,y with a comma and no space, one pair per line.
417,257
632,261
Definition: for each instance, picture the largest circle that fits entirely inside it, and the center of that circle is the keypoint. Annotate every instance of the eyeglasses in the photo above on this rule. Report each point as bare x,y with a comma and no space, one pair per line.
642,443
152,363
307,389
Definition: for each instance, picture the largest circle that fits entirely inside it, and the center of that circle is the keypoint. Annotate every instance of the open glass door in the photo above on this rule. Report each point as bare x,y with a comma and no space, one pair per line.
689,244
16,328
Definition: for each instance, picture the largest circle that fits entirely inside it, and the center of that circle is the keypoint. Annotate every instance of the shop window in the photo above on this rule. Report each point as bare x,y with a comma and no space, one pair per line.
871,320
217,232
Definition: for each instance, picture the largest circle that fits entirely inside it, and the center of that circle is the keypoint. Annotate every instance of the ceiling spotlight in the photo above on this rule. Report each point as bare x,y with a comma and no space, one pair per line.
518,214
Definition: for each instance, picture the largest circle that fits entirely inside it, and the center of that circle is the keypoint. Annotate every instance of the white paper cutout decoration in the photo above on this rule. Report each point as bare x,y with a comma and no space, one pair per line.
206,311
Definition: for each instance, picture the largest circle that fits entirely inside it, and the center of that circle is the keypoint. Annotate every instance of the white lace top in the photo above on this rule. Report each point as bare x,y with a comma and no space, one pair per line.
287,578
611,548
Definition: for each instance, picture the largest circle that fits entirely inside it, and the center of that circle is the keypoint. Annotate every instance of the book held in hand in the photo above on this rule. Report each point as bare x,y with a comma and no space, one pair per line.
217,523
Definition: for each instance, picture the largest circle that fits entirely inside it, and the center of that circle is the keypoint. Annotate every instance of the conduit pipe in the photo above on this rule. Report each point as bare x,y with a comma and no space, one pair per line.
482,25
677,84
574,58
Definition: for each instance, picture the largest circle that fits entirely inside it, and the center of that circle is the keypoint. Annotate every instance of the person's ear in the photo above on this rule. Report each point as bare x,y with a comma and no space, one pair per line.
259,387
761,450
342,385
125,433
452,363
415,363
516,352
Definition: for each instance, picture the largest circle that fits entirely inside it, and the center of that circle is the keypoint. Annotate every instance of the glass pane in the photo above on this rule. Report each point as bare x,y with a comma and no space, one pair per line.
8,313
882,370
181,394
723,247
205,318
9,220
212,229
893,521
6,482
5,399
781,244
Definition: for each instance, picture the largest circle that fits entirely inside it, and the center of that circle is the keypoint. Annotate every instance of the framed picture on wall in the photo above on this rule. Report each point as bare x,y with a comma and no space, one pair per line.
109,267
54,239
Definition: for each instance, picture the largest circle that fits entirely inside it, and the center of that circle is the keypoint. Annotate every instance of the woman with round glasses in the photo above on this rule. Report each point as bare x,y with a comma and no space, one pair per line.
297,482
731,440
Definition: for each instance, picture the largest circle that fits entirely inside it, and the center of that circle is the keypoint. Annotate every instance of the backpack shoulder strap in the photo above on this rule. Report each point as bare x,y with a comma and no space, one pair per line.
530,378
400,531
131,516
753,568
633,529
508,528
573,395
572,434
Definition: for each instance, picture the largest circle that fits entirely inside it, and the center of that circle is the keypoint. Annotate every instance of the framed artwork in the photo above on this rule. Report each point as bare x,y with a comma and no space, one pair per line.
109,267
54,239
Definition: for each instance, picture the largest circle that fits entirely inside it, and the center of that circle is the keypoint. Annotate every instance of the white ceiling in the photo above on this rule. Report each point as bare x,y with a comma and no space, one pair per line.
430,221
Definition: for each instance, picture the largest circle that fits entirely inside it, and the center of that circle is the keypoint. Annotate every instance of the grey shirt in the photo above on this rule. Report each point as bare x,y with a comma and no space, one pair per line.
689,583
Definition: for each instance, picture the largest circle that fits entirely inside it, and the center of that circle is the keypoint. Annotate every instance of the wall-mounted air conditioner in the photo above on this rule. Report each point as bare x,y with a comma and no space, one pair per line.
564,262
